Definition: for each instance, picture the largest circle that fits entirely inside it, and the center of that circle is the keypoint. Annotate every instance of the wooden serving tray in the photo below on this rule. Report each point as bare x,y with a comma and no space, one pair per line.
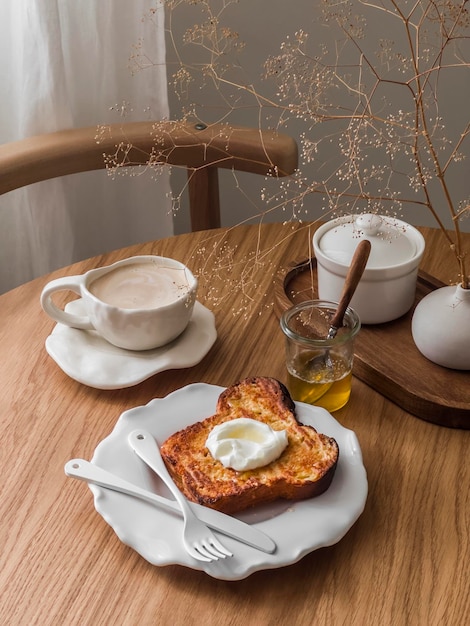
386,357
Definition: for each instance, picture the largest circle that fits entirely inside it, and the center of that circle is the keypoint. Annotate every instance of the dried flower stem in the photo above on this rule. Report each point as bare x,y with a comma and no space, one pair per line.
370,106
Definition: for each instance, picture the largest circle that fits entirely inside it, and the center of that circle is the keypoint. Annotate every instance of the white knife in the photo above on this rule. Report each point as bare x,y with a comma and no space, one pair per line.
225,524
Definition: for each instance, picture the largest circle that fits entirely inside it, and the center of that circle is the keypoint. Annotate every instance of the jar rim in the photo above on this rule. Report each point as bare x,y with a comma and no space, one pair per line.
350,314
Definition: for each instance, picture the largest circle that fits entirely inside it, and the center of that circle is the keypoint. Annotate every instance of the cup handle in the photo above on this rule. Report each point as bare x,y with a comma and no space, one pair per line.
67,283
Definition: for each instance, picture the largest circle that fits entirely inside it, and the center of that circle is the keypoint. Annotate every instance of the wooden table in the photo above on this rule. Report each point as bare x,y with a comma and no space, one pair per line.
406,560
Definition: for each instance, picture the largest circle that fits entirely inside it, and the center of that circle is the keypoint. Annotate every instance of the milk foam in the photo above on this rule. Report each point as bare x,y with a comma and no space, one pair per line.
140,286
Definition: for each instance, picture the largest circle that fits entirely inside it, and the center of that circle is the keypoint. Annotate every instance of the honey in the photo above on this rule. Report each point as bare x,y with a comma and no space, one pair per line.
327,385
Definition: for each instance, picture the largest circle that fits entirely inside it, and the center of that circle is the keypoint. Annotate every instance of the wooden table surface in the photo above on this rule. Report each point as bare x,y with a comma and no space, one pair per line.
405,561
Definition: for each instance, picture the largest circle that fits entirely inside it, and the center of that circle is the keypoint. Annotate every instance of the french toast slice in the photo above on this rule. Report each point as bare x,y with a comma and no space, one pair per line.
304,469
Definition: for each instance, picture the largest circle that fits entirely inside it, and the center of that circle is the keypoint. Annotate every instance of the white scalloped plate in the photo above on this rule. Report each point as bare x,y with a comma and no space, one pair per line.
89,359
297,528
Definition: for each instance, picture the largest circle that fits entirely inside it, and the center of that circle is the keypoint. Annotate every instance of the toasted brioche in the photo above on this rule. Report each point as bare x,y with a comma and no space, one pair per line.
305,468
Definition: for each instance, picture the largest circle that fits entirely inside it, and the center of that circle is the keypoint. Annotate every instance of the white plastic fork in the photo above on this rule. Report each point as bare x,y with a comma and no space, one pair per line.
198,539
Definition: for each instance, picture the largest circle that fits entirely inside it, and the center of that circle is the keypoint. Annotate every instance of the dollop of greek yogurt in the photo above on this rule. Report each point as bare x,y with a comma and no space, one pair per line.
245,444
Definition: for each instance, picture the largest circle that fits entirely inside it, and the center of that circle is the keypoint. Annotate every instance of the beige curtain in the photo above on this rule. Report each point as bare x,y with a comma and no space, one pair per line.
65,63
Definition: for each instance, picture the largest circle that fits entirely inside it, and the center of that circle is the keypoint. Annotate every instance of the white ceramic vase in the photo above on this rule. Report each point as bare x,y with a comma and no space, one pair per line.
441,327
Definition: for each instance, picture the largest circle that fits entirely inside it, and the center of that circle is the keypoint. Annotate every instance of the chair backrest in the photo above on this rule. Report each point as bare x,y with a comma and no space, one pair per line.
201,149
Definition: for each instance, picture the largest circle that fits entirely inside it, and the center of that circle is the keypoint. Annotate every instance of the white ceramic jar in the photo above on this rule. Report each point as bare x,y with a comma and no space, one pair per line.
388,286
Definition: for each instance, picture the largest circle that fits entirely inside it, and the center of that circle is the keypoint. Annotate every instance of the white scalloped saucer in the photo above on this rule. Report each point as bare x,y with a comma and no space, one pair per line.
89,359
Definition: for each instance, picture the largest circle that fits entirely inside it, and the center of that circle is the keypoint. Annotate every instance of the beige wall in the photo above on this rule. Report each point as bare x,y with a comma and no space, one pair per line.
263,25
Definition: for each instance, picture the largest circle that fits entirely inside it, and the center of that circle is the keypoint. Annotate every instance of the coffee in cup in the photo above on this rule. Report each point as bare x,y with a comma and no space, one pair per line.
140,286
138,303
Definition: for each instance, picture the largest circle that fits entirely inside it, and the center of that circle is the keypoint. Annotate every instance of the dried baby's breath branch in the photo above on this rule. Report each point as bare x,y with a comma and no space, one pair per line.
368,104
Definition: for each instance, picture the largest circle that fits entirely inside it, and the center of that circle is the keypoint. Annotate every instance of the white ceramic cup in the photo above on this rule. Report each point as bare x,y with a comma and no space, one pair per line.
387,288
139,303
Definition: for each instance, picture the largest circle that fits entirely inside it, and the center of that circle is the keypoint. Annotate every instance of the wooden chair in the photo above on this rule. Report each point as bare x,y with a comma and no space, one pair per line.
201,149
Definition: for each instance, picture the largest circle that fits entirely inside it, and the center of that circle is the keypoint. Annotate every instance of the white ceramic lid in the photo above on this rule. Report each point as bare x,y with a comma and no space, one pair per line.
392,241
